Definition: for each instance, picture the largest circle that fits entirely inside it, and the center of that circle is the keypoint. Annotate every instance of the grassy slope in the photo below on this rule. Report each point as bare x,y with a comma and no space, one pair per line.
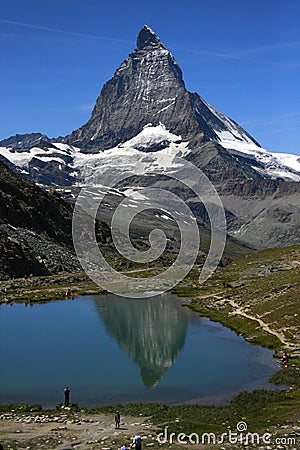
265,287
260,290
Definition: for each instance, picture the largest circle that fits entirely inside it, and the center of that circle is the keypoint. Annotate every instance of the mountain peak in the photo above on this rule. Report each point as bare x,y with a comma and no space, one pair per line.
147,38
148,87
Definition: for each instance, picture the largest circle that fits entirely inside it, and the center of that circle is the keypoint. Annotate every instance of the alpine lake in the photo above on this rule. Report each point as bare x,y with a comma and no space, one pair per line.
111,349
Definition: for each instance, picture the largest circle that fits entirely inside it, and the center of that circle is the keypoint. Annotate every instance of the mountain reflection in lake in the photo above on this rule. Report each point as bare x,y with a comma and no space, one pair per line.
152,333
110,350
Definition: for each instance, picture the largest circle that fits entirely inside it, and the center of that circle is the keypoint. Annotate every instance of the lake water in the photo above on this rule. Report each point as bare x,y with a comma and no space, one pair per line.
110,349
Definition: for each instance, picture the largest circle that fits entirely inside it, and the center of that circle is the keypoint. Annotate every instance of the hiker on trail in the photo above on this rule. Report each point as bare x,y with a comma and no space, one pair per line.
117,419
137,442
285,359
67,395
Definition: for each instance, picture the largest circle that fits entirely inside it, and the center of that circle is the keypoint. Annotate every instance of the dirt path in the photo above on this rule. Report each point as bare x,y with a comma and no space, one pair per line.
80,431
240,311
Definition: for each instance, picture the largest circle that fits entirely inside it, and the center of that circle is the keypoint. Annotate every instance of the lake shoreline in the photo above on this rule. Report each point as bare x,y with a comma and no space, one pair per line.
24,426
53,288
280,407
195,346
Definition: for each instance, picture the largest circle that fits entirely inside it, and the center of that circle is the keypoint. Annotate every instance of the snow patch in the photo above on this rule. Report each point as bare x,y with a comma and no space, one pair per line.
151,135
163,216
134,194
234,139
275,165
288,160
166,107
126,157
234,131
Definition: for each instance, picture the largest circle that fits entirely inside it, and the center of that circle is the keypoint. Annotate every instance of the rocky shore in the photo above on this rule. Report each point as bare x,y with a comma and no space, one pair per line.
66,430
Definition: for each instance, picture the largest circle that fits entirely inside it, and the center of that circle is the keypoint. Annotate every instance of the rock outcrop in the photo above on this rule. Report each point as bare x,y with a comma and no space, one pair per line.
35,229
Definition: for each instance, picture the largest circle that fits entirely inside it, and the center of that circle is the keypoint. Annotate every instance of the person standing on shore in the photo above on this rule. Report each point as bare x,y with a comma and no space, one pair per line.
117,419
67,395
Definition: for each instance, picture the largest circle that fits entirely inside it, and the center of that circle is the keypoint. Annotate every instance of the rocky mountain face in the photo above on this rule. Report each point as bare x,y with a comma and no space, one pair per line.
148,88
144,114
35,229
24,141
269,212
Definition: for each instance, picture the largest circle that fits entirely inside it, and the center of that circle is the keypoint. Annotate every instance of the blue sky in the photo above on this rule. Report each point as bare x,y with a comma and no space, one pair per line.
242,57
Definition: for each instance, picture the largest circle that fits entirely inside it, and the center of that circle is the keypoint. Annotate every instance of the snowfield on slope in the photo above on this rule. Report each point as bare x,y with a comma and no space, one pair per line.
124,158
